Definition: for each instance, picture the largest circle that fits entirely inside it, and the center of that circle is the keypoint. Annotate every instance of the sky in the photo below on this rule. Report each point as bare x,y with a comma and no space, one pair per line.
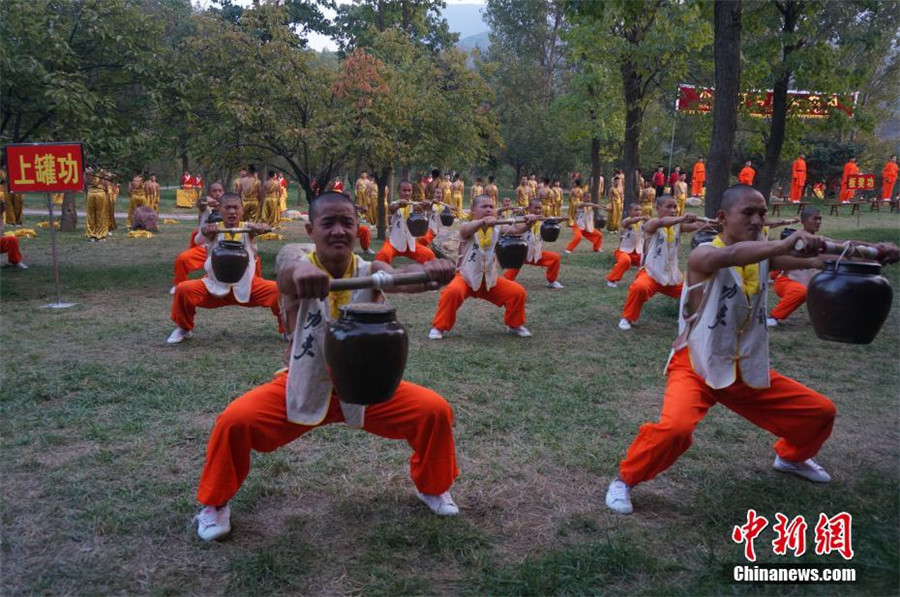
464,26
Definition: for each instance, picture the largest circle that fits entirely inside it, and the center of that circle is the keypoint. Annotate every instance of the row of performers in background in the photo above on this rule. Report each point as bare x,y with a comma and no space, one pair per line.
723,305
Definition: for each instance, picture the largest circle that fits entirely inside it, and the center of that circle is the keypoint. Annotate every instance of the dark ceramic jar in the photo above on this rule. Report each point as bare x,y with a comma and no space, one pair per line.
849,301
599,219
511,251
704,235
229,261
365,351
417,224
446,216
550,231
787,232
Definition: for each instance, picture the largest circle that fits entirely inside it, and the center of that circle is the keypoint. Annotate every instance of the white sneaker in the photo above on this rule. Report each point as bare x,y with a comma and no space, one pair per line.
624,324
178,335
618,497
213,523
172,290
808,469
370,252
21,265
442,505
771,322
555,285
568,252
521,331
611,284
435,334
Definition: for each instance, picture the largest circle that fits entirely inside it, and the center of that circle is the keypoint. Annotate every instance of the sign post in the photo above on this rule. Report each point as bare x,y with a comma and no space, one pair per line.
47,168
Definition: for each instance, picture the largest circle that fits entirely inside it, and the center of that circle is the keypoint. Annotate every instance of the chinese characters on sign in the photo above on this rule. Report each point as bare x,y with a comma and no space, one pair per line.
832,534
861,182
804,104
45,167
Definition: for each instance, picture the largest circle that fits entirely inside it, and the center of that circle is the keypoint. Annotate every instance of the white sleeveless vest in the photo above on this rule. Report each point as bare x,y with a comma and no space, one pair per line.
632,241
477,265
243,286
584,218
727,331
535,244
400,237
308,384
661,257
434,219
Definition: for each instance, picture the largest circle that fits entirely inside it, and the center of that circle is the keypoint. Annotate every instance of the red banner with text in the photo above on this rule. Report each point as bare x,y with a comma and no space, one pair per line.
803,104
44,167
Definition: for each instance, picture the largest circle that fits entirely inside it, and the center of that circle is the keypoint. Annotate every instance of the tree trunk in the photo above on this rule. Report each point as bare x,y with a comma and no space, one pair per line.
634,115
595,170
779,108
68,219
727,52
384,179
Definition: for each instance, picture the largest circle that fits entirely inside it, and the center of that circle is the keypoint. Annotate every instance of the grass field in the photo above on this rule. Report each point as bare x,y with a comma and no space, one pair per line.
104,429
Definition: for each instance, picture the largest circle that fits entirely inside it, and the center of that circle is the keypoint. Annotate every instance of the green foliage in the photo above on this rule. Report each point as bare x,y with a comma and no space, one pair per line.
82,70
358,24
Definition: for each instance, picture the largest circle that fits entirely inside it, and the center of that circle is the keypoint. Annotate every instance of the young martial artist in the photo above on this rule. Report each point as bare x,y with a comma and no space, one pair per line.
401,243
477,275
584,225
536,253
194,257
302,397
660,271
722,353
210,293
631,245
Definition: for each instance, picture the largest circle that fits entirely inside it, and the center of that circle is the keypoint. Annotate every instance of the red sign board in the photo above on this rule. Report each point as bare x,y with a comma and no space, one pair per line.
803,104
861,182
44,167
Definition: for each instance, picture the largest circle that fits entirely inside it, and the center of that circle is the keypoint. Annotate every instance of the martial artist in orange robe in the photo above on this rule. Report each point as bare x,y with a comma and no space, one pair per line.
400,242
798,178
302,397
194,257
631,244
722,310
747,174
850,169
888,178
698,177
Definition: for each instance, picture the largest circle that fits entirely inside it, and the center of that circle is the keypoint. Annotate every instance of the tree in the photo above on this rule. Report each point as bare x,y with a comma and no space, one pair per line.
255,93
648,42
357,24
809,44
80,70
727,50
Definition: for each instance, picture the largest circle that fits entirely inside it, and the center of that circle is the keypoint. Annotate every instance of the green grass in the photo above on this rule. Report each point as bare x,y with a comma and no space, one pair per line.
103,429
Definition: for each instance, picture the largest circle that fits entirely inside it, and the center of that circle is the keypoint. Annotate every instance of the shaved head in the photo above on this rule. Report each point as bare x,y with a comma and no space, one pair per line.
479,199
662,198
809,212
734,195
330,197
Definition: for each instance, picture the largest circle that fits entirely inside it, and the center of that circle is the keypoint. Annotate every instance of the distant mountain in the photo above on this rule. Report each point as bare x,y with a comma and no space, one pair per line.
464,19
481,40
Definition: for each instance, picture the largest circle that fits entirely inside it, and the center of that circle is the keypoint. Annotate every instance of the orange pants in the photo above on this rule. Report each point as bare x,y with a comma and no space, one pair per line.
420,254
696,187
191,294
846,194
797,191
792,293
426,240
364,237
887,189
188,261
504,294
595,238
640,292
802,418
548,259
258,421
10,246
623,262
